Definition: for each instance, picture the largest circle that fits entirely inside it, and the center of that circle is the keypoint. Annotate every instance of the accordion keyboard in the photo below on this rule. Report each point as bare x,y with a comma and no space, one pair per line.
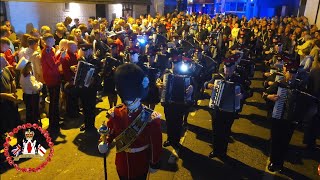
279,105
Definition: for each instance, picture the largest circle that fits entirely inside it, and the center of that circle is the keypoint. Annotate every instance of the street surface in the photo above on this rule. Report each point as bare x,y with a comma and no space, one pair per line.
76,155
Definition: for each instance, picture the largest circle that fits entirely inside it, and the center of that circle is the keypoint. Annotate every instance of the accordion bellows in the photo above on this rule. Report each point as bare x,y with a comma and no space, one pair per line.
174,90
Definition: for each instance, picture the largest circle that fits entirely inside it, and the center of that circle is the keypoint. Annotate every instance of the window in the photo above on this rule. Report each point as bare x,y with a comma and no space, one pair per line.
240,6
66,7
233,6
127,10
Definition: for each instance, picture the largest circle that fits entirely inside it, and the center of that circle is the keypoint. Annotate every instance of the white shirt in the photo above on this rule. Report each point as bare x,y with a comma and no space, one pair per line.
26,52
35,59
30,85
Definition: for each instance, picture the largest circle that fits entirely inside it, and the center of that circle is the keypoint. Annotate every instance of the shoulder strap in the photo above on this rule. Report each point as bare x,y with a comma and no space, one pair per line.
131,133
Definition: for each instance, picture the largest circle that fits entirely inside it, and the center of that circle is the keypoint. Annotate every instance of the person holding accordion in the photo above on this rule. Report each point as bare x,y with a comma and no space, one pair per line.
226,108
285,97
87,89
175,99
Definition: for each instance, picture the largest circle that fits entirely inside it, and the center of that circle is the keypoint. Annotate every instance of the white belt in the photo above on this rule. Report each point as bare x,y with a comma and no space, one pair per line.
136,150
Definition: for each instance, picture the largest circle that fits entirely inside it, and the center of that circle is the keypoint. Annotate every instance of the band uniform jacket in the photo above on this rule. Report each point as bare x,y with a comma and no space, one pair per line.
50,63
69,60
137,164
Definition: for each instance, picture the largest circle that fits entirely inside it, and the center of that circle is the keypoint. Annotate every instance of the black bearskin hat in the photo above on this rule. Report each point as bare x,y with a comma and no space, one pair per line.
131,82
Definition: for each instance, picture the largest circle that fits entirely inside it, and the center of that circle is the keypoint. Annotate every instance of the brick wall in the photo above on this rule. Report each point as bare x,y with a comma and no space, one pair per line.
38,14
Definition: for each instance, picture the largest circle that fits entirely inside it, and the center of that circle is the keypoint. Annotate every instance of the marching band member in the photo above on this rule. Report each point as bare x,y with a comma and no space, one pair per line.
282,129
69,60
175,112
135,159
51,76
223,120
88,94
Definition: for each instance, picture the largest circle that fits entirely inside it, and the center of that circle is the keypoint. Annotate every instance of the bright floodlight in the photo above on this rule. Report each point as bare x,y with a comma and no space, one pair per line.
142,41
184,67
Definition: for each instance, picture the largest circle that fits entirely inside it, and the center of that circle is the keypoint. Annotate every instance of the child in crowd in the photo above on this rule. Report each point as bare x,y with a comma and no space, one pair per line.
31,90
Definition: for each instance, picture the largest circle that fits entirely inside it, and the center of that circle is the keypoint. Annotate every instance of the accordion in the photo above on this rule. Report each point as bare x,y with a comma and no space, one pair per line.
84,74
174,90
224,96
290,100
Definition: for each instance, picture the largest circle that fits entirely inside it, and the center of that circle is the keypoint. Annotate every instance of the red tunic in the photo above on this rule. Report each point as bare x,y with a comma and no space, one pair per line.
50,64
133,165
69,60
10,58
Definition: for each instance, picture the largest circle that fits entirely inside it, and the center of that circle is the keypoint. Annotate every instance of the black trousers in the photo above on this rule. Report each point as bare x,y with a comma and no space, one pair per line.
10,117
174,117
32,107
72,106
281,133
221,126
88,100
54,114
311,126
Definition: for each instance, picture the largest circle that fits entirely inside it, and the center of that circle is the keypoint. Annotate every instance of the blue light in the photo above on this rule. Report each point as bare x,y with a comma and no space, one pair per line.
142,41
184,68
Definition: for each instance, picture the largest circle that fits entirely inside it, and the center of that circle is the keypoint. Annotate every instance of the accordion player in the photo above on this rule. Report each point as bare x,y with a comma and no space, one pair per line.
174,90
84,74
225,96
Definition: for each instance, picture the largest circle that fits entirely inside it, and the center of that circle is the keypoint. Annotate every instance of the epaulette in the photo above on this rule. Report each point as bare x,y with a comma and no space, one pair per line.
110,113
155,115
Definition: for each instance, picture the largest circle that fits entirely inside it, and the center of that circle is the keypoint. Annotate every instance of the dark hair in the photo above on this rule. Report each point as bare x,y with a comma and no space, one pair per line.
24,40
32,40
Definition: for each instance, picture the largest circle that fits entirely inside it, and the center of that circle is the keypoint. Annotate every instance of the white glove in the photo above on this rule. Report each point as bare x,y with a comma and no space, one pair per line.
151,170
103,147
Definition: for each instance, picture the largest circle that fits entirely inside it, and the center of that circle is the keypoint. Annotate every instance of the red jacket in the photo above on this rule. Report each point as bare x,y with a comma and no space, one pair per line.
10,58
132,165
69,60
50,64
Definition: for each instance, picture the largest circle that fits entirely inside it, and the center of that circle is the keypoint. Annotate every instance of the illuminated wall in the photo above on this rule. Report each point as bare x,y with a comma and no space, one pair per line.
114,9
40,13
269,8
311,11
157,6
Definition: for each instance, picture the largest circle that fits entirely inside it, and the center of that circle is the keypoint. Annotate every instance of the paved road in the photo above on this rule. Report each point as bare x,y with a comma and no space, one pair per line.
76,155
